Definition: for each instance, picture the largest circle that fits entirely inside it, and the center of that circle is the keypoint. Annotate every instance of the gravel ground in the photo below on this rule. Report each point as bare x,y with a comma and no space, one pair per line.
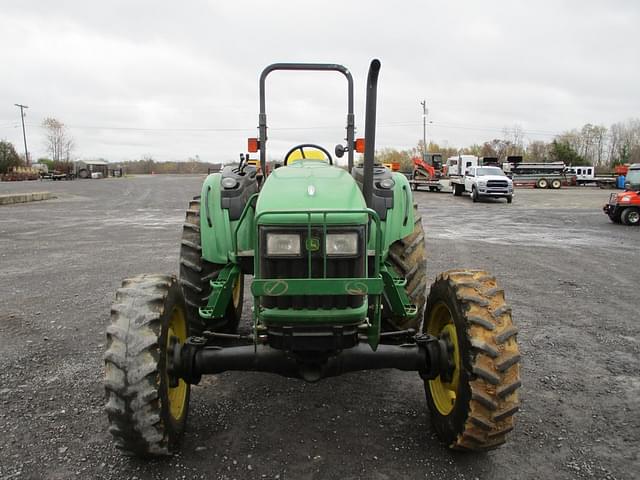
568,273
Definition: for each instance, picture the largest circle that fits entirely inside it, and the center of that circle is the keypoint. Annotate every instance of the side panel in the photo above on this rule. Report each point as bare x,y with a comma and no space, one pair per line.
215,227
400,219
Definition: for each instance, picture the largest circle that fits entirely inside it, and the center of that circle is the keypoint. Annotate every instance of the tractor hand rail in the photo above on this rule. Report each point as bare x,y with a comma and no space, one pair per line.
262,119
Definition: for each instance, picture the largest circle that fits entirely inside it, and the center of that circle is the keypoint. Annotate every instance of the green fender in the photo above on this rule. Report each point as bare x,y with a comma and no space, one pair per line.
215,227
400,220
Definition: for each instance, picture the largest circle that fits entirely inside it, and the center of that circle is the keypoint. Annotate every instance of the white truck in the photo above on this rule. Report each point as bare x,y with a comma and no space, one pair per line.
483,182
458,164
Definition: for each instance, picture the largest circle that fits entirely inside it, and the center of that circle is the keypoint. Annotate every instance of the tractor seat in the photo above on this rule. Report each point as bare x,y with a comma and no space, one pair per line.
311,154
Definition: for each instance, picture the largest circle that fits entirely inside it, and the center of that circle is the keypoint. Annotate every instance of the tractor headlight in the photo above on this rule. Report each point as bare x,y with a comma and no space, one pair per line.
283,244
341,244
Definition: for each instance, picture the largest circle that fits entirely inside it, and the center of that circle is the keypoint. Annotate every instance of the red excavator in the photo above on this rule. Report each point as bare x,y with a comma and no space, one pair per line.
427,173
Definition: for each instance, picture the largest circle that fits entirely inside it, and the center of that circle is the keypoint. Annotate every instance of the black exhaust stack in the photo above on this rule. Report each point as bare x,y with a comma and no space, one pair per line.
370,132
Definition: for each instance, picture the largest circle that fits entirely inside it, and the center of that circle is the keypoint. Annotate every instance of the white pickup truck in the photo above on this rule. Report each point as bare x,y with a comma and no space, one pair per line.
483,182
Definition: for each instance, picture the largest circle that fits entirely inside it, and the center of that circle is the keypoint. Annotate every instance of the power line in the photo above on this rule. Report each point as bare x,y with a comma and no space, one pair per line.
434,124
316,127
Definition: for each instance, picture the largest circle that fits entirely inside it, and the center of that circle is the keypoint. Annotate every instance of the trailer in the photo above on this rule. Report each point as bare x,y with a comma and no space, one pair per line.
539,175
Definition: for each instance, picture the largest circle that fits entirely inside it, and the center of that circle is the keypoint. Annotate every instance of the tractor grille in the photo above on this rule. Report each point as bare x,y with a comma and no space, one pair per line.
497,184
298,267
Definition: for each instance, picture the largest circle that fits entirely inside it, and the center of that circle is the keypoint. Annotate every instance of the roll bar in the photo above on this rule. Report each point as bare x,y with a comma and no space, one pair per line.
262,120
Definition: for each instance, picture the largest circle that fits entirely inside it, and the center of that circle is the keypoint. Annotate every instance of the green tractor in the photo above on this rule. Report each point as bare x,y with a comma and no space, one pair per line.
339,285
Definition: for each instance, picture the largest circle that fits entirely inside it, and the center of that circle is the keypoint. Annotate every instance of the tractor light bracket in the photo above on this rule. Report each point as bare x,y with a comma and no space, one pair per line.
221,291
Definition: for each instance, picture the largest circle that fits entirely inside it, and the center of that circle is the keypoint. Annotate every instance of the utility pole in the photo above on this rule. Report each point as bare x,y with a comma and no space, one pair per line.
24,133
425,111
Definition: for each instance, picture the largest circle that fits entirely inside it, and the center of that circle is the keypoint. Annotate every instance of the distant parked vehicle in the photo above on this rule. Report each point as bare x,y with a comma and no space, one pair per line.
540,175
583,174
482,182
624,207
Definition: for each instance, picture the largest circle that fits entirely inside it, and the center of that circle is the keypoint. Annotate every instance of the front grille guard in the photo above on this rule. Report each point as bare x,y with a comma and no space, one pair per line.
371,285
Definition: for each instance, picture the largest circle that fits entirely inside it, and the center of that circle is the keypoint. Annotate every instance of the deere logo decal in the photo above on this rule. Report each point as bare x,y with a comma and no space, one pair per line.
313,244
356,288
276,288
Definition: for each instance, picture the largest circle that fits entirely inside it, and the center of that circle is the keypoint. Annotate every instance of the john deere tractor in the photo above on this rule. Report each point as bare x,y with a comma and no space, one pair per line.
339,285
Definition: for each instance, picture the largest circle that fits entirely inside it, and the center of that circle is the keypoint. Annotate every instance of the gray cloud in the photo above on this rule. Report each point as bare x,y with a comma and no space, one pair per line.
175,80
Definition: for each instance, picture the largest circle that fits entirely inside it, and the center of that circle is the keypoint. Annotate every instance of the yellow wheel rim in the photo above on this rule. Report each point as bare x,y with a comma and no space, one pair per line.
235,294
444,394
177,396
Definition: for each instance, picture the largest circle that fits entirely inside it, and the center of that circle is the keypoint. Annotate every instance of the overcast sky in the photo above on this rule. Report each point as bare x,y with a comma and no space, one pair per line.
178,79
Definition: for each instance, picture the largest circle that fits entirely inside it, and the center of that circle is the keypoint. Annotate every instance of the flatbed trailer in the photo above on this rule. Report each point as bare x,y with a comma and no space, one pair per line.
542,180
433,185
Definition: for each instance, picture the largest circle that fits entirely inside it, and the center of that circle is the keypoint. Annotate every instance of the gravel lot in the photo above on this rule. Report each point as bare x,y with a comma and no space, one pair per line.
570,275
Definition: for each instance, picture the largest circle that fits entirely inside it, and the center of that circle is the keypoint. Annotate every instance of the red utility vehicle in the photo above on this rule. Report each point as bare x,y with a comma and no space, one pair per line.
624,207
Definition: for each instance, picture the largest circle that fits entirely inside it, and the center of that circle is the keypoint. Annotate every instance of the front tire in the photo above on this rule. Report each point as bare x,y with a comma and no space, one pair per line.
147,416
196,274
474,194
409,259
630,216
509,199
473,410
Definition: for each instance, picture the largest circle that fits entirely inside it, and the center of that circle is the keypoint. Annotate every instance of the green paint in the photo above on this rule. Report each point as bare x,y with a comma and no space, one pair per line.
400,219
221,292
316,286
333,316
287,188
394,290
287,199
215,238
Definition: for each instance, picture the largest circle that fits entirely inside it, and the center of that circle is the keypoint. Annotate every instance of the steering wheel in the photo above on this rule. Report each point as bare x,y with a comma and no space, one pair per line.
302,146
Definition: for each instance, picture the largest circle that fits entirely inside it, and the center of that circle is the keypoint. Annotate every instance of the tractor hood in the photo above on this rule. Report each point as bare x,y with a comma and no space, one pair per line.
310,186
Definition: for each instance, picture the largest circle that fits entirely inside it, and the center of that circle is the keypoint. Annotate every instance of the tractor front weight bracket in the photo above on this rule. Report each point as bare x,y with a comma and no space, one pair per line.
428,355
396,293
221,291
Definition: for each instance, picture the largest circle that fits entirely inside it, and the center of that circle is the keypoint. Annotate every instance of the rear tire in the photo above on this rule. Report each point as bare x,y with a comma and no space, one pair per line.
457,190
556,184
542,183
474,410
409,259
146,415
196,274
630,216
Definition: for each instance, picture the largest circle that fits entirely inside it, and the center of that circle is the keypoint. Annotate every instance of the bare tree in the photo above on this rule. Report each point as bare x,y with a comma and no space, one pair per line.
59,143
538,151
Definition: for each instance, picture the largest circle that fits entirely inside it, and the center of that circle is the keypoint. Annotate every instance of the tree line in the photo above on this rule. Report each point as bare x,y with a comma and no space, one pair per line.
590,145
148,165
594,145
